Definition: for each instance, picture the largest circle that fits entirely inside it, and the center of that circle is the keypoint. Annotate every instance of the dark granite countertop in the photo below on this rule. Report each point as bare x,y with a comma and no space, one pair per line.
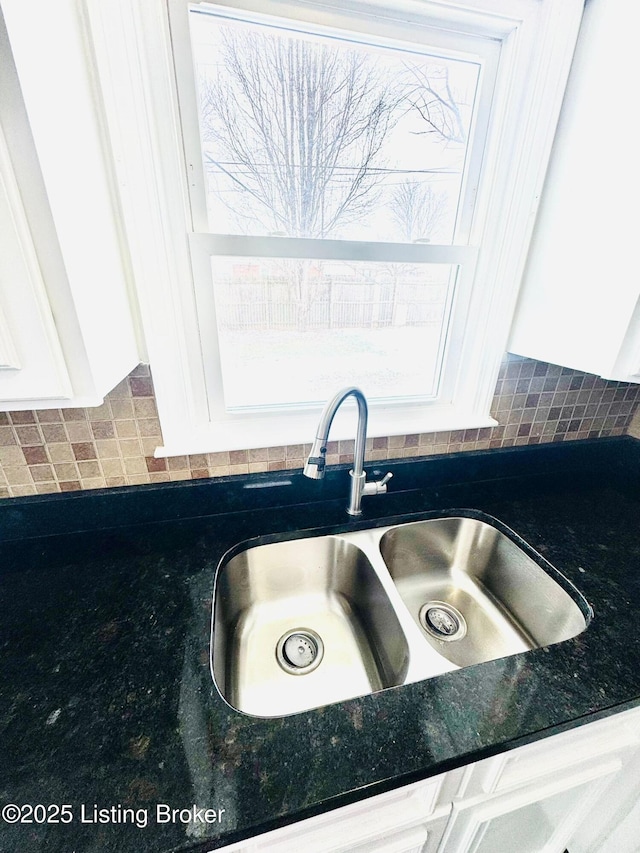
106,696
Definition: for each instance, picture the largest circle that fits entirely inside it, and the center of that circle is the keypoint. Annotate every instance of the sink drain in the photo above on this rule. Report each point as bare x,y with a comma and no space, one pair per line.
442,621
300,651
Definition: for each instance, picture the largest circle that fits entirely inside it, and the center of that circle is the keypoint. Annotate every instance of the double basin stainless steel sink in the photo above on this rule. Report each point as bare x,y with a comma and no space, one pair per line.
305,622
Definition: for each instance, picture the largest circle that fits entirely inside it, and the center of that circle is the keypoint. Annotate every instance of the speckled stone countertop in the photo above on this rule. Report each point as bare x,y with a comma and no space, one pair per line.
106,697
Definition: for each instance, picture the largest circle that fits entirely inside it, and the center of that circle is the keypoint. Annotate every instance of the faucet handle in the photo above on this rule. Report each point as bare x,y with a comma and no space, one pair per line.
377,487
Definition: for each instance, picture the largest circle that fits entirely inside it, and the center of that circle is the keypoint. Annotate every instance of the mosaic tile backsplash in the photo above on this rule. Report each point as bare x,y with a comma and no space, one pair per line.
60,450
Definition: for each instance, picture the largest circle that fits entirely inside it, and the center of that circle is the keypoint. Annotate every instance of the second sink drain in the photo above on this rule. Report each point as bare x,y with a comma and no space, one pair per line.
300,651
442,621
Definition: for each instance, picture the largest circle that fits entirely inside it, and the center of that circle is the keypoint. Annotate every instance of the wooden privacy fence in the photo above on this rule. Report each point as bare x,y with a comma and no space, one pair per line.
327,304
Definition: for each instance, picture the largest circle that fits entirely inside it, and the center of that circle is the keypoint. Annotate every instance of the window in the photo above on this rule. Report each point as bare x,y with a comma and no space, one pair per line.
321,194
353,161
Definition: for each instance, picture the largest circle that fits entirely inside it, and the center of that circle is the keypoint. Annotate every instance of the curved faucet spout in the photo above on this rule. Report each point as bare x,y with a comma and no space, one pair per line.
316,462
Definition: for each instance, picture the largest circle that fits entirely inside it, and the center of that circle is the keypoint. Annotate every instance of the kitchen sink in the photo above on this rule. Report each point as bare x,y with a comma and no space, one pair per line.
309,621
474,593
303,623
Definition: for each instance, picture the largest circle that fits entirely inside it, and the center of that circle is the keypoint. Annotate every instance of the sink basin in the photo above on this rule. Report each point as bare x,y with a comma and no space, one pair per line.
306,622
474,593
303,623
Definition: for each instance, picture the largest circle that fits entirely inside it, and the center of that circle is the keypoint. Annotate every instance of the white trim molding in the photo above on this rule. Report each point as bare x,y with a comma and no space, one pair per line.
133,48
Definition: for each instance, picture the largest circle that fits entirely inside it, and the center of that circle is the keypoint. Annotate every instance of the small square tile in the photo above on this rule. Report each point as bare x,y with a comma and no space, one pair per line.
66,471
294,451
135,465
29,435
155,465
54,432
112,467
141,386
35,455
79,431
103,429
89,469
18,476
122,409
20,418
138,479
122,391
107,449
178,463
23,491
149,445
47,488
240,469
40,473
198,461
130,448
149,427
84,450
11,455
62,452
260,454
114,482
94,483
126,429
49,416
144,407
141,369
7,437
74,415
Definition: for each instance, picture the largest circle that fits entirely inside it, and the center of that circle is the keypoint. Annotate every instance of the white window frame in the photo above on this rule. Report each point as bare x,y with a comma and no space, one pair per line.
297,423
132,44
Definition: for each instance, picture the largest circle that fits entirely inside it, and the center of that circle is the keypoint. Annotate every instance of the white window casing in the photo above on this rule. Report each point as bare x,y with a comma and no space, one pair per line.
134,44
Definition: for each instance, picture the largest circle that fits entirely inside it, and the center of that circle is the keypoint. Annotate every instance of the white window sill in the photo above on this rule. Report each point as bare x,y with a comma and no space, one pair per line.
280,431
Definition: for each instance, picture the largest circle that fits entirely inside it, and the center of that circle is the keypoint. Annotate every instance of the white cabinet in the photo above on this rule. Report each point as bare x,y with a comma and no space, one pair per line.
409,820
66,330
571,790
538,798
535,798
579,304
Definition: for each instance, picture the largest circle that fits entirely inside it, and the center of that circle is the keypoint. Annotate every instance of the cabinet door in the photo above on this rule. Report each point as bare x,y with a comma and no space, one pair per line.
579,305
67,334
613,825
403,821
418,839
32,363
538,818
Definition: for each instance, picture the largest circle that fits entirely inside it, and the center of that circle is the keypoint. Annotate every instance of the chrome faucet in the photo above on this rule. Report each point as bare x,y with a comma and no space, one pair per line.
316,462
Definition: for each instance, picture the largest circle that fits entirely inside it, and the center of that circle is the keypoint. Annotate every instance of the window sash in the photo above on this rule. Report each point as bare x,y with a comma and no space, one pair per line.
204,247
426,35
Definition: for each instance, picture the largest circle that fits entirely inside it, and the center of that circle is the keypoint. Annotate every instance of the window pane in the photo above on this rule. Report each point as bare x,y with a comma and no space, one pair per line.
293,331
326,137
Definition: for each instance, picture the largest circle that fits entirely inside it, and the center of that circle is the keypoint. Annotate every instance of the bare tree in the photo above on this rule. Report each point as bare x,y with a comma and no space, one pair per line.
416,209
296,130
429,92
